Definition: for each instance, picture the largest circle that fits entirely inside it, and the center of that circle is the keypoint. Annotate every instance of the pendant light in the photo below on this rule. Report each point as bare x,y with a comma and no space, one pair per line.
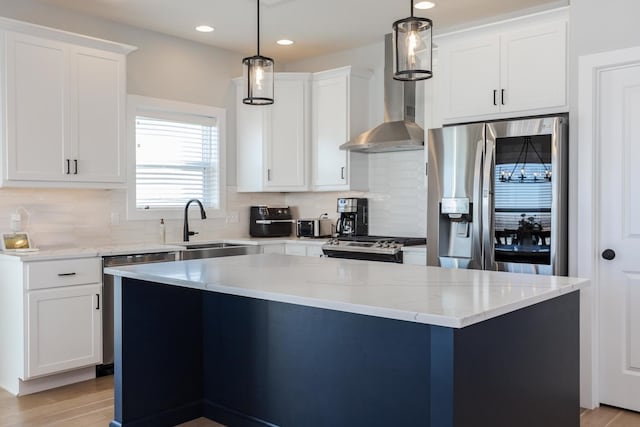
412,48
257,72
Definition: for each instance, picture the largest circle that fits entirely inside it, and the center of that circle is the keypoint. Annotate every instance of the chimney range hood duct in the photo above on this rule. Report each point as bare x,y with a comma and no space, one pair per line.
399,132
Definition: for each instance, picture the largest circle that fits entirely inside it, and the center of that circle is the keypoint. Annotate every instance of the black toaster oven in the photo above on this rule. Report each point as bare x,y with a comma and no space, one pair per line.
270,221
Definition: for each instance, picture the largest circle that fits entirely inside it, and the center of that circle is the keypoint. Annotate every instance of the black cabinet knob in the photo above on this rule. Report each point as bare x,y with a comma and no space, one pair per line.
608,254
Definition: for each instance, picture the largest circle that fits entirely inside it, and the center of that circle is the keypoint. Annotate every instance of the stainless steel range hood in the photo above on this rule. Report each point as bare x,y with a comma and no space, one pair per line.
399,132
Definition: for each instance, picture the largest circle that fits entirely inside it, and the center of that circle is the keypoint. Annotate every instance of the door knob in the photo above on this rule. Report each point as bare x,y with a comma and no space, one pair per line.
608,254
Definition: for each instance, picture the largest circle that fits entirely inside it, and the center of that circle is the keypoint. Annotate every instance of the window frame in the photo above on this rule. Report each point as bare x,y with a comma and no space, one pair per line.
140,106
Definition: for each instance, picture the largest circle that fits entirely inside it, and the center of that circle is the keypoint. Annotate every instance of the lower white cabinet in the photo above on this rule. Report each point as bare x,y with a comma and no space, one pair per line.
414,258
50,322
302,249
278,249
64,329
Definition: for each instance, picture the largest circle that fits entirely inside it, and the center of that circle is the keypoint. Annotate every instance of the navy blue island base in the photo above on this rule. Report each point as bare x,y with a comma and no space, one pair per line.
183,353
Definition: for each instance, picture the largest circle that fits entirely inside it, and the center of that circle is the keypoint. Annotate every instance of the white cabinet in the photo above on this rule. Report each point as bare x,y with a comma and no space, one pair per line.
65,110
304,249
314,250
506,69
273,141
64,329
414,258
340,111
295,249
50,322
278,249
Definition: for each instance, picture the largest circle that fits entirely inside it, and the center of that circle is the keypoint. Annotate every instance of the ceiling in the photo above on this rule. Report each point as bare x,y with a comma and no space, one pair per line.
317,26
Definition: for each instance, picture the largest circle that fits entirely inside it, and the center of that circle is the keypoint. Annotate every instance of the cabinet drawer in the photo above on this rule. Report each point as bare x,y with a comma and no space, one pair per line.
298,250
68,272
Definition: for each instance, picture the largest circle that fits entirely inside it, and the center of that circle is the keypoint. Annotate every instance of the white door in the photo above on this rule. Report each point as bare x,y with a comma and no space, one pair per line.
37,97
619,216
470,77
287,146
98,80
330,130
533,68
64,329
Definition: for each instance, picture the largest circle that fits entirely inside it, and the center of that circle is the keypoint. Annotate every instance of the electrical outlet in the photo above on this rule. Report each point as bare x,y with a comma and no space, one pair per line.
233,218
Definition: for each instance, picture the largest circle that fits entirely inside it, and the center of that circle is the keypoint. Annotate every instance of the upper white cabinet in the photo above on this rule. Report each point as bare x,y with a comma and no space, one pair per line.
65,109
273,141
340,111
507,69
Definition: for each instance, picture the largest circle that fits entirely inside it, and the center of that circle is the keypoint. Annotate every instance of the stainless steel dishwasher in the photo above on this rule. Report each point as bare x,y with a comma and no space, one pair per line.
107,296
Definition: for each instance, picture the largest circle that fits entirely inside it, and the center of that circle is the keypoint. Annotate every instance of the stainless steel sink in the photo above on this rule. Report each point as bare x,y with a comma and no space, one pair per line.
215,250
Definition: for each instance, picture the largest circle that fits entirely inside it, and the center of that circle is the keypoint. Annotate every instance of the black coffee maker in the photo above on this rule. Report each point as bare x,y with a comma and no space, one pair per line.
353,219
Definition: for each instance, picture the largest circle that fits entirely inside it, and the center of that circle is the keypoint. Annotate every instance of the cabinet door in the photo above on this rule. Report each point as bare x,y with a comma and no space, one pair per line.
250,135
314,251
63,329
330,130
533,68
294,249
470,79
97,118
286,150
37,96
278,249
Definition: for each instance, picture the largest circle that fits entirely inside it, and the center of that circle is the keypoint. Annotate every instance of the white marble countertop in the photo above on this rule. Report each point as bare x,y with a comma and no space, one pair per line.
89,252
46,254
431,295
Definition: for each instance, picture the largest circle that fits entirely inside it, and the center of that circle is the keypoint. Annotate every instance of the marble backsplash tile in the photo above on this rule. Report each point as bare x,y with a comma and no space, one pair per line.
82,218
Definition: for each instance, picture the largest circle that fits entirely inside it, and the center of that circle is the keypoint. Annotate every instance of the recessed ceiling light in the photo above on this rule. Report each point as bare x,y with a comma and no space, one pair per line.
424,5
204,28
285,42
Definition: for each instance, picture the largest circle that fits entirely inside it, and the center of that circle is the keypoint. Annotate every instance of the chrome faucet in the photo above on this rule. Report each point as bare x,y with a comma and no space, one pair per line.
186,233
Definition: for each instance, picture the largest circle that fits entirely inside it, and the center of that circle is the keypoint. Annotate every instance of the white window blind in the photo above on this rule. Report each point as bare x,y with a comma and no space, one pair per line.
176,160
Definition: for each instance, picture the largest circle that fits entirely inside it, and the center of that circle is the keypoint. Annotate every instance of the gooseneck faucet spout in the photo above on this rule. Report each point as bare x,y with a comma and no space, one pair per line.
186,233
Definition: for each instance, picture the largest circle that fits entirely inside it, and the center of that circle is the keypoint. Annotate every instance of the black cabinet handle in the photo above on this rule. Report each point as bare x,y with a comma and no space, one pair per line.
268,174
66,274
97,301
502,96
495,92
68,166
75,166
608,254
342,172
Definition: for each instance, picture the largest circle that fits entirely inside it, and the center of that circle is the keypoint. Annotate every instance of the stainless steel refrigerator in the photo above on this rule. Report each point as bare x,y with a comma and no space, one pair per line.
497,196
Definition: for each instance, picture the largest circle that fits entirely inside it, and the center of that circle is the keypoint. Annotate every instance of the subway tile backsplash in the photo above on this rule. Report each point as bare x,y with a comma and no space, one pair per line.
85,218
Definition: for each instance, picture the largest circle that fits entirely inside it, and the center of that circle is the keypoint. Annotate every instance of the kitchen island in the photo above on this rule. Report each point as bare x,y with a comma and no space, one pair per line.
263,340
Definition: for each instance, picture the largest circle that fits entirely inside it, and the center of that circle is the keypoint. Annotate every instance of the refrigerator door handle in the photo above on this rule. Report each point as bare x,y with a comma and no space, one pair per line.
487,207
477,219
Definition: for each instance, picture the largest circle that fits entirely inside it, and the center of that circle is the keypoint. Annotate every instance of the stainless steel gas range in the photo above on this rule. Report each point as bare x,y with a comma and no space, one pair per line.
370,248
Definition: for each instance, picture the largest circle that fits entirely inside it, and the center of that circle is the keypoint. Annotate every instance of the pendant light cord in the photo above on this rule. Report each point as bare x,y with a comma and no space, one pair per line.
258,6
411,6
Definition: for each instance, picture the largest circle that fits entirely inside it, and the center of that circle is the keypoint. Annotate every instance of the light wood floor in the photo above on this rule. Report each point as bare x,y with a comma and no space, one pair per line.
90,404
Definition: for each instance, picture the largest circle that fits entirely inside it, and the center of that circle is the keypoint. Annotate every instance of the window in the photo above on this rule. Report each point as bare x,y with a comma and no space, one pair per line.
178,155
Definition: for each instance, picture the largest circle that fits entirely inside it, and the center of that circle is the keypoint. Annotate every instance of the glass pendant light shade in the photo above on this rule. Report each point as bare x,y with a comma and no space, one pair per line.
412,48
257,72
